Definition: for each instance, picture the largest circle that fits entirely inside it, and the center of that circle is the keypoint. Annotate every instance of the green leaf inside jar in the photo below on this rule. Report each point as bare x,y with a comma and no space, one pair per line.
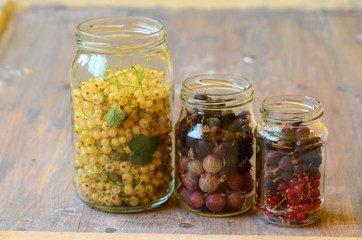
142,148
115,116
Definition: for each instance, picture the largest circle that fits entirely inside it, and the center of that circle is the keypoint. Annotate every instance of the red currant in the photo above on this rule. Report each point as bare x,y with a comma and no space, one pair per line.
318,176
298,188
317,203
314,193
292,206
289,191
303,207
300,216
290,216
315,183
301,195
292,200
302,180
271,201
293,181
282,186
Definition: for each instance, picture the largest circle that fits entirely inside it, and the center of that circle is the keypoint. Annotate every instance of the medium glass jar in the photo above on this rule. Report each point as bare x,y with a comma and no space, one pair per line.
215,146
121,95
290,160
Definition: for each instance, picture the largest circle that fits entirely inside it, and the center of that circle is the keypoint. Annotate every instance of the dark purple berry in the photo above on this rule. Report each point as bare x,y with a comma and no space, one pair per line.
244,166
236,182
244,115
300,169
196,200
235,200
215,131
191,142
184,192
195,167
209,182
190,181
269,184
302,132
201,96
247,139
184,160
286,175
215,202
220,150
211,122
312,158
204,148
212,163
235,126
184,149
272,157
285,163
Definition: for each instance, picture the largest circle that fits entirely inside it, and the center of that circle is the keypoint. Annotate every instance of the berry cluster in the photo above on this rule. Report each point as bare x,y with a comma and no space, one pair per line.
108,112
288,193
214,153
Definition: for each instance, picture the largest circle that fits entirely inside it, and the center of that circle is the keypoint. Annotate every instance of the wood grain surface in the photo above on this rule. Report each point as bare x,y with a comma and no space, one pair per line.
313,53
20,235
207,4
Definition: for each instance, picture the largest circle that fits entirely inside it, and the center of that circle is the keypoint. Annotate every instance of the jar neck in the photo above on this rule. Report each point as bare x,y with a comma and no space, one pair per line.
217,92
296,110
121,35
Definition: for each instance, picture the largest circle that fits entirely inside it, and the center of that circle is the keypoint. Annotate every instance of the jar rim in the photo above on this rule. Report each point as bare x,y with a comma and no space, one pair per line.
291,108
121,33
142,19
234,91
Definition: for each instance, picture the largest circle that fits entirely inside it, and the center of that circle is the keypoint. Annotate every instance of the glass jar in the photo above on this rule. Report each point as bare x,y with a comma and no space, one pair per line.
290,160
121,95
215,146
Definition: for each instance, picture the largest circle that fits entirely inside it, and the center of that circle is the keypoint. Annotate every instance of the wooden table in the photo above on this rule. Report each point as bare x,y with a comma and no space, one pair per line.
314,53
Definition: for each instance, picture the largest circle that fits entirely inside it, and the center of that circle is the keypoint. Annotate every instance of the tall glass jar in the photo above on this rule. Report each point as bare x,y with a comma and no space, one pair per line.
291,160
121,95
215,146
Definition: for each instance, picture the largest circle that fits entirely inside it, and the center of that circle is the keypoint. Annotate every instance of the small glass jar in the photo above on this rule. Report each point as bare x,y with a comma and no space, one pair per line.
215,146
290,160
121,94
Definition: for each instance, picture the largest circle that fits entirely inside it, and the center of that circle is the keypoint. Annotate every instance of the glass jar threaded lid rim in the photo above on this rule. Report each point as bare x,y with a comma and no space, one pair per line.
223,91
291,109
121,34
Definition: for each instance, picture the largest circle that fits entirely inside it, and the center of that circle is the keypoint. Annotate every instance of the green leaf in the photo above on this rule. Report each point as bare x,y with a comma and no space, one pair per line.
142,148
140,159
115,116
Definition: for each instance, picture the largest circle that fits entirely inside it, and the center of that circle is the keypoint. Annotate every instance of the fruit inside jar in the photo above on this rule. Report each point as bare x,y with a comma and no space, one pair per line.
214,151
122,139
289,183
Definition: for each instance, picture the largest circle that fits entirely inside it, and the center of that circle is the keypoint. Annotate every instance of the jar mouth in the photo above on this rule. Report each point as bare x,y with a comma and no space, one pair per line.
291,109
121,34
222,91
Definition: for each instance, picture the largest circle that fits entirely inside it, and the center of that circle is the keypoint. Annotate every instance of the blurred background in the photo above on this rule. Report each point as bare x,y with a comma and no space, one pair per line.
210,4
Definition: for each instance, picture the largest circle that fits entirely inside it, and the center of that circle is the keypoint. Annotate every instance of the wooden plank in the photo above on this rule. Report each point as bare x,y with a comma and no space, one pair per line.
292,52
11,235
209,4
